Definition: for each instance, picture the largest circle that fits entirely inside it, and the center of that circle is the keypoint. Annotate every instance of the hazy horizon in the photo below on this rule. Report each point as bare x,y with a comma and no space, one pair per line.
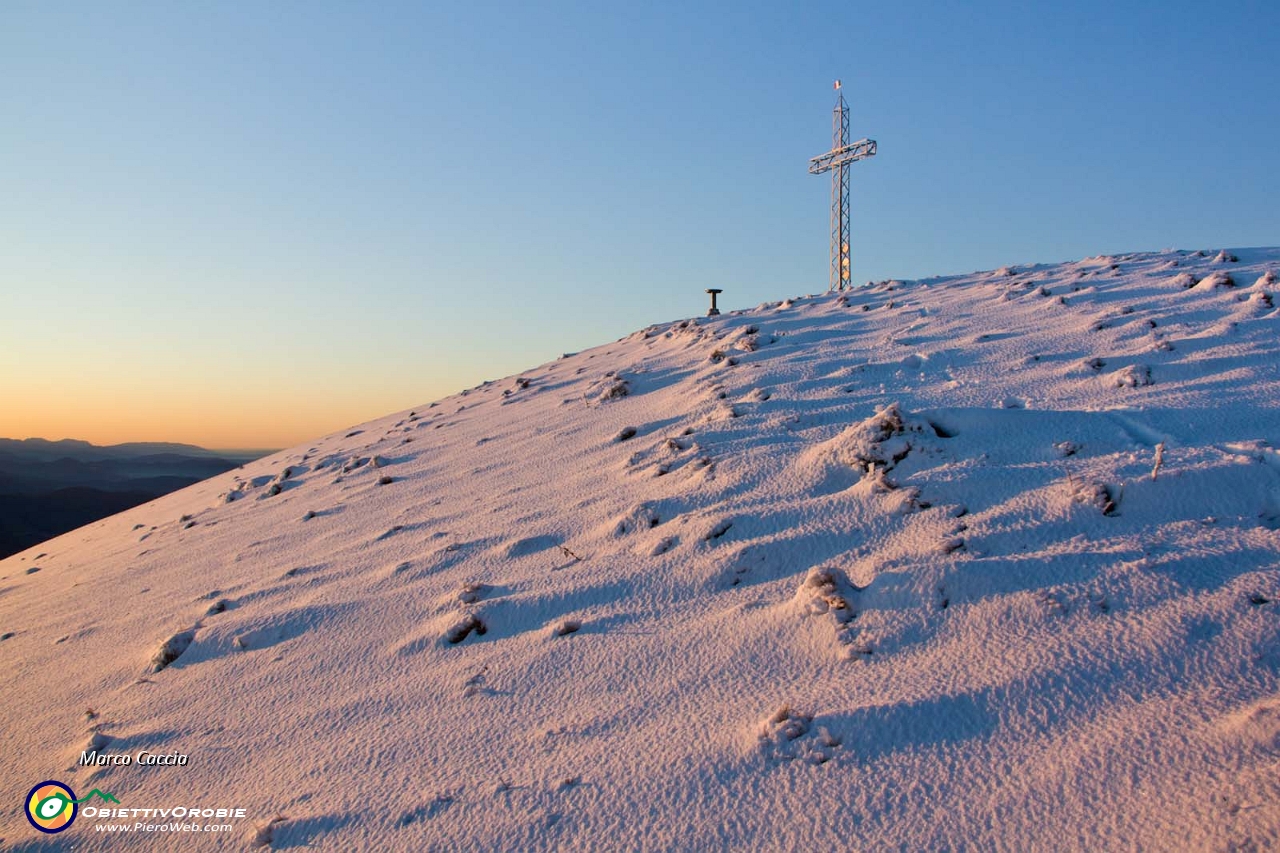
238,451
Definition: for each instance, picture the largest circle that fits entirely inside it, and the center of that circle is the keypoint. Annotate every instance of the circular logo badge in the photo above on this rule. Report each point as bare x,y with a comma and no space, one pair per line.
51,806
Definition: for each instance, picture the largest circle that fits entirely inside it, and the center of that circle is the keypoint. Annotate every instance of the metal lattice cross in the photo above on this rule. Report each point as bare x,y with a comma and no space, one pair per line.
836,161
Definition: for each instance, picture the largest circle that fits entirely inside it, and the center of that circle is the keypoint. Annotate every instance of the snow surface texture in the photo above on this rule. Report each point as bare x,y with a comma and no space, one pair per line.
888,569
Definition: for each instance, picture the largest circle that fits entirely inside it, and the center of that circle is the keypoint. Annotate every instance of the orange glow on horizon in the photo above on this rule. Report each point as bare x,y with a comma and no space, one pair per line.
215,419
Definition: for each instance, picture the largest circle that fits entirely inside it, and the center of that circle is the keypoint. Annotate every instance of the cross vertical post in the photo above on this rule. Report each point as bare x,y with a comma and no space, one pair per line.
839,197
837,161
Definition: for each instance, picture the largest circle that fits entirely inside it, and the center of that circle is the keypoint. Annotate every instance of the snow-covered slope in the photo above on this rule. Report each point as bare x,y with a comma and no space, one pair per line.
890,569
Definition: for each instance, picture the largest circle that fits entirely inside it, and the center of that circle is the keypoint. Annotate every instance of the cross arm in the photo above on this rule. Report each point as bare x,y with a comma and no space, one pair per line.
860,150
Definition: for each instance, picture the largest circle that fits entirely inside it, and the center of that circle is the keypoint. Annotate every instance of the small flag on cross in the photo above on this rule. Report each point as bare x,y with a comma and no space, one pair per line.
837,85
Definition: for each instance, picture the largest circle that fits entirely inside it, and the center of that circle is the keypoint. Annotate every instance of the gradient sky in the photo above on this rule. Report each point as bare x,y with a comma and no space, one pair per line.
247,224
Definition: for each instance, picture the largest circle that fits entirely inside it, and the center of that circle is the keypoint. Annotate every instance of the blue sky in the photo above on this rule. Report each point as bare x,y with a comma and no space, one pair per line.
248,224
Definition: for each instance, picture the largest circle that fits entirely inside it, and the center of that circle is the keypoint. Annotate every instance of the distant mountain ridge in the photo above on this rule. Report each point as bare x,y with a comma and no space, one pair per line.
50,487
78,449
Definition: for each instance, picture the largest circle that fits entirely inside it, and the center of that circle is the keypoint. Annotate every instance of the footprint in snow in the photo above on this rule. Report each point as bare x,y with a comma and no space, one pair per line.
640,517
391,531
438,805
565,627
219,606
171,649
463,627
664,545
718,530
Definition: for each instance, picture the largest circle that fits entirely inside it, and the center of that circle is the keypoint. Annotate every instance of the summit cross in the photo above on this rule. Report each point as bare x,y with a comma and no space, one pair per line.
836,161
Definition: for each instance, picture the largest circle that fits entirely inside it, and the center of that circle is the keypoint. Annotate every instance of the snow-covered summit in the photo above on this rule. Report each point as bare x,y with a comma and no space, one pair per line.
986,561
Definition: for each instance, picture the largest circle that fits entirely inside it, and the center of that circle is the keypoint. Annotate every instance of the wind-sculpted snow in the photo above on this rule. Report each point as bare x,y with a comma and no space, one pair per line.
989,561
